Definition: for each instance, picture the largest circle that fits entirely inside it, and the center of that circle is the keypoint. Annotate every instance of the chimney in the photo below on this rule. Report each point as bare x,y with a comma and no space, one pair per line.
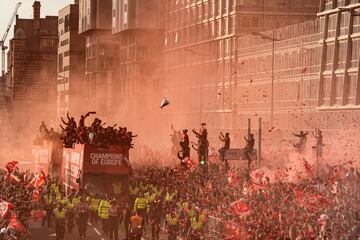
36,9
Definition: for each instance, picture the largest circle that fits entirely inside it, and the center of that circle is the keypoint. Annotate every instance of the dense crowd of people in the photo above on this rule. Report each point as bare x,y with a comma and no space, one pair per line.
17,201
187,204
220,203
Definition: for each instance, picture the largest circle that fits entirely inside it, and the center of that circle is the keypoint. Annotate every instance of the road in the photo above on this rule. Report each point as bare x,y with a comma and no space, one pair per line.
93,233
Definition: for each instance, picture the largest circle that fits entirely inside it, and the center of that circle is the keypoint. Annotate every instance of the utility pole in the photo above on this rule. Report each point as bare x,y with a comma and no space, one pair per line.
273,39
260,141
272,80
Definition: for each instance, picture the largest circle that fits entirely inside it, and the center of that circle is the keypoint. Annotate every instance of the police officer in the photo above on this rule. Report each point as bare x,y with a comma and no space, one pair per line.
94,203
173,225
70,213
48,207
197,227
103,213
141,205
60,214
134,190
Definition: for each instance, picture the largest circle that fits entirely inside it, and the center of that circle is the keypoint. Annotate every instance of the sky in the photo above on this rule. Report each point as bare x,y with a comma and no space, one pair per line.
48,7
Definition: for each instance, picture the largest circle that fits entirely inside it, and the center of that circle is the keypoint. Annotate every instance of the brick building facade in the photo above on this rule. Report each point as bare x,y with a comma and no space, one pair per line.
32,69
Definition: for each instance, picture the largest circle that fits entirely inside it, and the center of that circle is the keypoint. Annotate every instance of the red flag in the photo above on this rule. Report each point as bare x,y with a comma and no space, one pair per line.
280,176
256,186
308,168
12,178
298,193
35,195
38,214
11,166
233,178
5,207
15,224
258,174
235,231
38,180
190,164
240,207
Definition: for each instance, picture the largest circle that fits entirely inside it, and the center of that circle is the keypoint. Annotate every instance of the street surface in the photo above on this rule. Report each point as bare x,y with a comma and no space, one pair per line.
93,233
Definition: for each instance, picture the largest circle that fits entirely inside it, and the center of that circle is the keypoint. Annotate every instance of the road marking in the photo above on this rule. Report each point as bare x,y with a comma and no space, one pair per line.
97,231
52,235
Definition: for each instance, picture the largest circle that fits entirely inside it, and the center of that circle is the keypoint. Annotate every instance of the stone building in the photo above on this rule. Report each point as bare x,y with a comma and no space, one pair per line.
137,24
32,65
101,55
71,63
201,45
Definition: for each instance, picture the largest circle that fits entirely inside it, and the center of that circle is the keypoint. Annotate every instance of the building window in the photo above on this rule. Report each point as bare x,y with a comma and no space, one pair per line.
245,21
67,23
255,22
60,63
64,42
245,3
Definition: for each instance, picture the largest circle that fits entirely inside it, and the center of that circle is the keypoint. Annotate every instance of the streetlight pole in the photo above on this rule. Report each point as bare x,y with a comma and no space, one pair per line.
272,80
273,39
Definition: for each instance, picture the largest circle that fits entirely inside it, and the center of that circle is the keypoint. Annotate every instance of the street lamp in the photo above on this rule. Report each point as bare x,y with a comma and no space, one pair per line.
273,39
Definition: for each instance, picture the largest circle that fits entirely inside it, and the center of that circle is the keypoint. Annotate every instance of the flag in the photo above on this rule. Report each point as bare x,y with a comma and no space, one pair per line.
190,164
11,166
35,195
253,186
240,207
258,174
308,168
38,180
5,207
233,178
12,178
298,193
38,214
15,224
280,176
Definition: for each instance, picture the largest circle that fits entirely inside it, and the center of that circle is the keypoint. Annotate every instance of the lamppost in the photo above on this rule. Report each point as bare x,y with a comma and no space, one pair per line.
273,40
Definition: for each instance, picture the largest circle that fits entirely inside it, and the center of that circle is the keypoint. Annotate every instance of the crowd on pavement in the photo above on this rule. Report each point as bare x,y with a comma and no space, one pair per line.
221,202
